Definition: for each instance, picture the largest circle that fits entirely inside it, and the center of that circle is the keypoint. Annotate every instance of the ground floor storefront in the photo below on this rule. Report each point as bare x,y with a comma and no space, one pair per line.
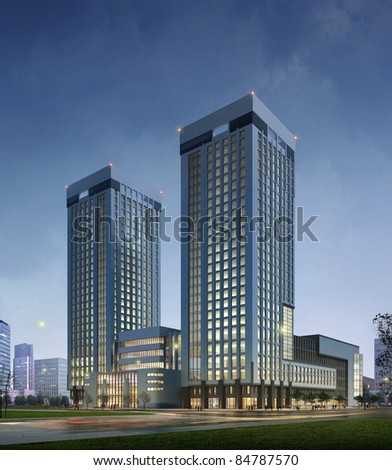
272,395
236,396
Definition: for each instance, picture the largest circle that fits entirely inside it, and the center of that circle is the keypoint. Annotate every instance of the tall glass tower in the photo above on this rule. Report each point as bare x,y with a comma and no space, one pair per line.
5,353
237,263
24,367
113,277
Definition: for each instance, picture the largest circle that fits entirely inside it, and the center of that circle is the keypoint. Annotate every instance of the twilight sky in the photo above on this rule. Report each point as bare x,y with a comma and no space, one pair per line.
84,83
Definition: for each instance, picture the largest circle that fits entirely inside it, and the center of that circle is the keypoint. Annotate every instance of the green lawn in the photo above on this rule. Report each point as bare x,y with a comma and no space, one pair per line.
12,414
348,434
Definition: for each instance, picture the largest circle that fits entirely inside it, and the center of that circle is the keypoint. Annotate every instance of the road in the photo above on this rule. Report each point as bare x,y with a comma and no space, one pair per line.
21,431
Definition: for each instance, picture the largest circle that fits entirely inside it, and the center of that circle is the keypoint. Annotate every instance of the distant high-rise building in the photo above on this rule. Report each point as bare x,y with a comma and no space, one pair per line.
382,373
368,385
5,354
24,367
237,266
51,377
113,273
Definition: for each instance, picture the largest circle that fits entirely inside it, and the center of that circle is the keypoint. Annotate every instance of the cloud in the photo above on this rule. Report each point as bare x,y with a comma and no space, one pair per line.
336,18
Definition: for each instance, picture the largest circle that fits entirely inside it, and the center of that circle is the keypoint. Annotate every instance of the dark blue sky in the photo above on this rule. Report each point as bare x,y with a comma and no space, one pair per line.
83,83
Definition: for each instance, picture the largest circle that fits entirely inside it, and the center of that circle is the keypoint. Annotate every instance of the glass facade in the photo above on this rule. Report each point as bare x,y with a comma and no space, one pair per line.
24,367
226,266
5,354
275,202
306,375
145,350
113,270
287,332
51,377
239,275
194,269
358,374
117,389
237,269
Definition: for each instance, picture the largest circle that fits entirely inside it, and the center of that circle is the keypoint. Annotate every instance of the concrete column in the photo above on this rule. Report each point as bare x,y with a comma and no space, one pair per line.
289,392
280,400
126,393
204,395
238,393
185,400
262,386
258,393
221,394
261,395
271,395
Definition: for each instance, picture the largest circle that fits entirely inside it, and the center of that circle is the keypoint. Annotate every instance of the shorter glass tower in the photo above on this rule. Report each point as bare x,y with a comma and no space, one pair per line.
51,377
113,273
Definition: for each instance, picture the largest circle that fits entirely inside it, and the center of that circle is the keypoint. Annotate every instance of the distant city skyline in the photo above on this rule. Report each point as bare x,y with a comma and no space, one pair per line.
85,84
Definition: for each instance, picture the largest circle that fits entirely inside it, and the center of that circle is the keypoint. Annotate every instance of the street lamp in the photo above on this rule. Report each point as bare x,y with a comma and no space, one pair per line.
7,385
86,394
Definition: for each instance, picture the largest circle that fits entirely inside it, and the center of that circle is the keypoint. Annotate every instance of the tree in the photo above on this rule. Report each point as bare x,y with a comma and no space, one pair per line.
31,400
104,400
40,399
7,400
309,398
323,397
55,401
64,401
374,399
382,324
305,399
297,395
312,398
144,398
340,399
87,398
359,399
20,401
